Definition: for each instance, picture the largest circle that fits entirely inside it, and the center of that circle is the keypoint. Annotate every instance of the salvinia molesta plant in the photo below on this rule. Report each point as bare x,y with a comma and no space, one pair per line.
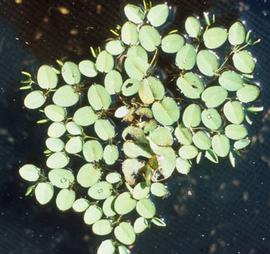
122,122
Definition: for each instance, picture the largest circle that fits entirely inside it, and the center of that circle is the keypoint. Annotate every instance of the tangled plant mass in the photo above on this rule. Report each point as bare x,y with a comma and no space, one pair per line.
121,123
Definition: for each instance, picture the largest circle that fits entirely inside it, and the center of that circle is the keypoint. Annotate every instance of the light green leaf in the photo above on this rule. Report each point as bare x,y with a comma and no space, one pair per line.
34,99
65,199
149,38
244,62
74,145
65,96
99,98
207,62
136,67
92,151
113,82
29,172
215,37
202,140
56,130
133,150
248,93
113,178
188,152
230,80
211,119
137,51
140,225
92,214
159,190
129,33
191,85
130,87
235,131
74,129
124,203
192,116
234,112
85,116
212,156
237,33
193,27
55,113
88,68
124,233
183,135
80,205
102,227
71,73
110,154
151,89
146,208
158,222
100,190
186,57
104,129
104,62
123,250
183,166
214,96
44,192
161,136
106,247
61,178
158,15
140,191
166,112
241,144
88,175
115,47
172,43
47,77
57,160
221,145
134,13
107,206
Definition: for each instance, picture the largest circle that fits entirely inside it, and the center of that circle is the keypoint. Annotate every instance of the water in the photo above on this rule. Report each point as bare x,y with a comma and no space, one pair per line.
214,210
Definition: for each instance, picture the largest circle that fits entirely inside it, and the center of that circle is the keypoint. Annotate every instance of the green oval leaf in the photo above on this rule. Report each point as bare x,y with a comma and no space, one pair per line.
80,205
193,27
183,166
29,172
106,247
211,119
159,190
188,152
124,233
100,190
104,129
244,62
55,113
65,96
161,136
88,175
34,100
85,116
71,73
92,151
56,130
74,145
115,47
124,203
166,111
234,112
146,208
44,192
136,67
207,62
191,85
65,199
129,33
88,68
92,214
183,135
104,62
57,160
172,43
235,131
231,81
149,38
221,145
113,82
186,57
134,13
248,93
158,15
61,178
214,96
202,140
140,191
110,154
215,37
140,225
102,227
237,33
47,77
99,98
192,116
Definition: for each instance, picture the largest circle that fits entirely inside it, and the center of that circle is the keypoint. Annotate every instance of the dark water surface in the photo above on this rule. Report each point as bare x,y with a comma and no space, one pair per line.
216,209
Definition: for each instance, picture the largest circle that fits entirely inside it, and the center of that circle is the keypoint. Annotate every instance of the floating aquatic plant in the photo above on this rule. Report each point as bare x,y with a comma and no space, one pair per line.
117,130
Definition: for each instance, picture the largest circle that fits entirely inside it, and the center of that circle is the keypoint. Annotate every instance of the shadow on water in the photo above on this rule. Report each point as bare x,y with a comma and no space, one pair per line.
215,209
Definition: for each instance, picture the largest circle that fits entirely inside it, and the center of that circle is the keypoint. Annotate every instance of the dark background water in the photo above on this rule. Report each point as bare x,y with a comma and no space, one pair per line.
216,209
